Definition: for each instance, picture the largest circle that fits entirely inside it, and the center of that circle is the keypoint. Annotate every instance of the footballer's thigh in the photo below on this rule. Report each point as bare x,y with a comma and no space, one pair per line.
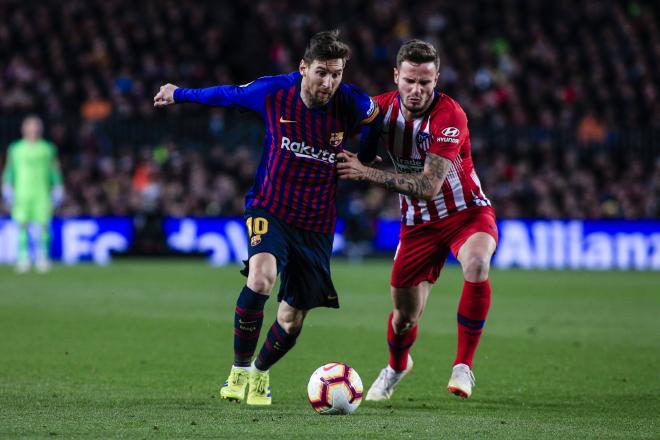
478,244
409,304
475,255
474,242
267,251
290,318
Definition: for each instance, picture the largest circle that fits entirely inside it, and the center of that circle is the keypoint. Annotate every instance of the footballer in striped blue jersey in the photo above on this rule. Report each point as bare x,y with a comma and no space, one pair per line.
290,210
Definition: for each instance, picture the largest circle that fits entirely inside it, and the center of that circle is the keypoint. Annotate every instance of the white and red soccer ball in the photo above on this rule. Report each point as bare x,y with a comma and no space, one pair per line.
335,388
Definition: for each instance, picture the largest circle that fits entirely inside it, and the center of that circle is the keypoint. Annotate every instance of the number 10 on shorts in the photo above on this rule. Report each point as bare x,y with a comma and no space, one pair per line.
256,226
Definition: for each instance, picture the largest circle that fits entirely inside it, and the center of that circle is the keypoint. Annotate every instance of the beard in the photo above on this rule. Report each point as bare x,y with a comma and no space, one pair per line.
418,107
317,99
322,98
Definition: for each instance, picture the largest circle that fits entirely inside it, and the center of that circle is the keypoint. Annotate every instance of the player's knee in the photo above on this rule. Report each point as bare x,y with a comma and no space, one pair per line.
476,267
261,281
404,322
291,323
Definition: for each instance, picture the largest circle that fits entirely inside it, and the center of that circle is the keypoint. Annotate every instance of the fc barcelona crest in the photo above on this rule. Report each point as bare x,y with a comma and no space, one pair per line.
336,138
255,240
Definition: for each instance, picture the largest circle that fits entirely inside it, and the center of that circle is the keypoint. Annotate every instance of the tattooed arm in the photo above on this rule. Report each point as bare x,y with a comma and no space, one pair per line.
425,185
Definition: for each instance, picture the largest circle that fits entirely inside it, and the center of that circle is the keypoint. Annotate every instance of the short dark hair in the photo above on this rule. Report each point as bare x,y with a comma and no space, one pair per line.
326,46
417,51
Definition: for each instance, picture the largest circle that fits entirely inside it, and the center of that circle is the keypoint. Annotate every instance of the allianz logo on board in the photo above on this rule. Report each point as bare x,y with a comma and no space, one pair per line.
558,244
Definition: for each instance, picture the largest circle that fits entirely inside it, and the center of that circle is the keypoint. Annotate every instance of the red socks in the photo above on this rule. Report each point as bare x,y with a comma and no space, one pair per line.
399,345
472,311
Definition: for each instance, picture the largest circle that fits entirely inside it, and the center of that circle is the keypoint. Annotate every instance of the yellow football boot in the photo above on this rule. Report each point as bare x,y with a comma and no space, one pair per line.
259,388
236,385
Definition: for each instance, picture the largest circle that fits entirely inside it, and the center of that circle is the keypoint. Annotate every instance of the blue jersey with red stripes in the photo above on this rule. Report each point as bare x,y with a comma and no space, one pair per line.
296,179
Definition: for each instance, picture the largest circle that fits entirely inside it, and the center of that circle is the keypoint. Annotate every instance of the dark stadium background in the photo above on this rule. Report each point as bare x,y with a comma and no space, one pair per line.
562,98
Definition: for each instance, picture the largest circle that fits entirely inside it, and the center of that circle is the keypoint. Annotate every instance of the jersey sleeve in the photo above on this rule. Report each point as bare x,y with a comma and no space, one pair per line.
369,139
383,100
449,133
364,108
250,96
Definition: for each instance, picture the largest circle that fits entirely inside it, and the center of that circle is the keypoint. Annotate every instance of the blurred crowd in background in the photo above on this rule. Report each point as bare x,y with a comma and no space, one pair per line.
562,97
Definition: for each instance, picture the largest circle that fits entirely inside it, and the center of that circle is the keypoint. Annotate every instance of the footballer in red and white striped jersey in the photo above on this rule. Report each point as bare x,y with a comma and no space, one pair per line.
443,210
441,130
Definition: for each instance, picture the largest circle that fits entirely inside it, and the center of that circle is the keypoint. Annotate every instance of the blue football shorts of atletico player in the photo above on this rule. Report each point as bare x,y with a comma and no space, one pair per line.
290,210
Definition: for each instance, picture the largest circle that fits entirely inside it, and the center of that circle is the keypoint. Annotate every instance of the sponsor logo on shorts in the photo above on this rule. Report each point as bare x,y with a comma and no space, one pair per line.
255,240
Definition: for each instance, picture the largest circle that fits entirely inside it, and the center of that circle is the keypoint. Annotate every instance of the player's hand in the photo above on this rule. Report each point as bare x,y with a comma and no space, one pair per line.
165,95
7,195
349,166
57,196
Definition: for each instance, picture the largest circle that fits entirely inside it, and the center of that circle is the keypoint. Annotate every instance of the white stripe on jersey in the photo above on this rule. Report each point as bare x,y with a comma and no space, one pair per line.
417,123
386,120
426,216
455,182
398,135
440,205
409,213
423,204
480,199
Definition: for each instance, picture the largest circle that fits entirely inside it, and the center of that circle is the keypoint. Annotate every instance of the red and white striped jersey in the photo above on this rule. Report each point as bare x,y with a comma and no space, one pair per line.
442,130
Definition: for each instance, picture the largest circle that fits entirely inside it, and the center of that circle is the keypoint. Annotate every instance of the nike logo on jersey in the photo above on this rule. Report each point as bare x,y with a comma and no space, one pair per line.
286,121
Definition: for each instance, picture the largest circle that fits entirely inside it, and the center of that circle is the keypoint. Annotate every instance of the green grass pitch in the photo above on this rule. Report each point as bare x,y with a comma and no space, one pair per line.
138,350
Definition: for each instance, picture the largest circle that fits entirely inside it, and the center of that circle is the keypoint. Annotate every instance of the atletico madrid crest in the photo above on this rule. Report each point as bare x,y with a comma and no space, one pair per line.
336,138
423,141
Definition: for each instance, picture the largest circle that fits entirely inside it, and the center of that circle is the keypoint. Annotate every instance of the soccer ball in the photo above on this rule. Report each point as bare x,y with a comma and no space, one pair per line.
335,388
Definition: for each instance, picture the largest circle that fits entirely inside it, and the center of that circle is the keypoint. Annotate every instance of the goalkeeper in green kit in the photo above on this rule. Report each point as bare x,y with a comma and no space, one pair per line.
32,187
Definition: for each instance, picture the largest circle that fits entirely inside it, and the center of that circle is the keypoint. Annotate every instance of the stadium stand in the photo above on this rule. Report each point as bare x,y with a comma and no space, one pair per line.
565,118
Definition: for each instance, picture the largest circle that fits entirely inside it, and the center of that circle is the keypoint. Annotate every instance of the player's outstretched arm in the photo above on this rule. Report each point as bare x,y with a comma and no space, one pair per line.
165,95
248,96
425,185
